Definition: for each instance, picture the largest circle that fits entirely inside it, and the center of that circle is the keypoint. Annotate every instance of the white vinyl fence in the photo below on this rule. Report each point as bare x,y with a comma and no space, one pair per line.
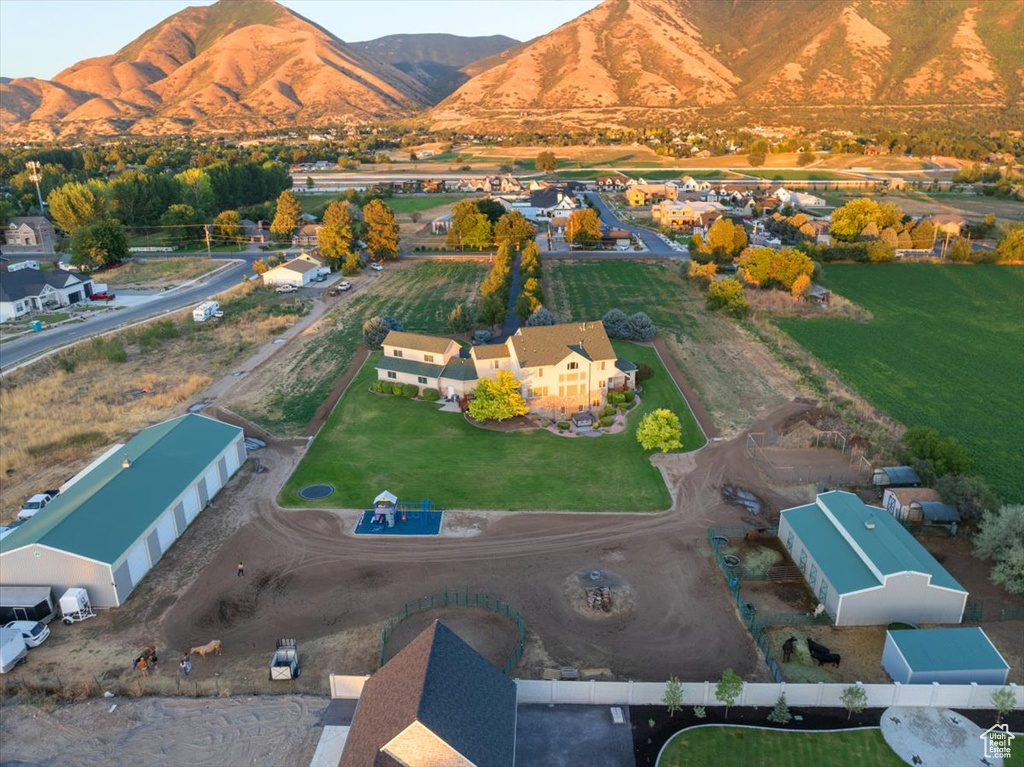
763,694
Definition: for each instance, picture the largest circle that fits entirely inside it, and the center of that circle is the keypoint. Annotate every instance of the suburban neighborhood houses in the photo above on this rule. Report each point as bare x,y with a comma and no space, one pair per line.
619,383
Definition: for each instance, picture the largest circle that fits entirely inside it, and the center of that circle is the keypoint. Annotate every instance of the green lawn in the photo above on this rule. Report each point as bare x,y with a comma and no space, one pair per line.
373,442
740,747
420,202
796,175
945,349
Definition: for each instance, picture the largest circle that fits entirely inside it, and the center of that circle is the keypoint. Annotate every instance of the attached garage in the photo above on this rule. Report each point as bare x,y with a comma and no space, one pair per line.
115,520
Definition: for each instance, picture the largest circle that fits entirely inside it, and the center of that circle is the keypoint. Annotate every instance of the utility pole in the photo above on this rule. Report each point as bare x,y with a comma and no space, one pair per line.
206,231
35,175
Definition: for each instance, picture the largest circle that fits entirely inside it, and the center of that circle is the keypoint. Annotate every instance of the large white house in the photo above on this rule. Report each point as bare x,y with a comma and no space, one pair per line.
27,290
563,369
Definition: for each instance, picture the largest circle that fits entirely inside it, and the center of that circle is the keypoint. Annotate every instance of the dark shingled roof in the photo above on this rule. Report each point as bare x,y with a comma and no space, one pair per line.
444,684
19,284
938,513
412,367
625,365
459,369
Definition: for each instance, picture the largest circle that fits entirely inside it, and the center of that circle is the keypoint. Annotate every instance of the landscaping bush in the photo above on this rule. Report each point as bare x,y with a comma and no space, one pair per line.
377,386
431,395
616,398
608,410
630,395
644,372
607,420
410,390
563,425
624,409
398,389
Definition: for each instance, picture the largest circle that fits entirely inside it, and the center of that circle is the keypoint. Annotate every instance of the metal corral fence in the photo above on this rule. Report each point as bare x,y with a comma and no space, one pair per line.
757,623
458,598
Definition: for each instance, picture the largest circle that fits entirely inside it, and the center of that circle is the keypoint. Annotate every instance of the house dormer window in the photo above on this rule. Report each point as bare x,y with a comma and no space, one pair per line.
574,366
428,357
397,353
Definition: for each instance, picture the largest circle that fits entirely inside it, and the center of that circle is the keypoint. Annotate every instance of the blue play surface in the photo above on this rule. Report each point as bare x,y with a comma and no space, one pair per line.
406,523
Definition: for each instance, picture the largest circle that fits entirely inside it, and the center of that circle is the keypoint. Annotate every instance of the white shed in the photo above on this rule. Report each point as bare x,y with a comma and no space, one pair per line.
114,522
962,655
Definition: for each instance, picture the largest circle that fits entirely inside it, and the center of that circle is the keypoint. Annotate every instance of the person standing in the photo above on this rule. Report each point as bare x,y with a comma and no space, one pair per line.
241,570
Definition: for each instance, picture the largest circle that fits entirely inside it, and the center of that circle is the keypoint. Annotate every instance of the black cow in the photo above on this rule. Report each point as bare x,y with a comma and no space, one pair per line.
787,649
816,648
829,657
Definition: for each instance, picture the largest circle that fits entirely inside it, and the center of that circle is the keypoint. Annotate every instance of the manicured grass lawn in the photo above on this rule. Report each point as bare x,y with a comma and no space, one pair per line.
796,175
419,202
945,349
374,442
741,747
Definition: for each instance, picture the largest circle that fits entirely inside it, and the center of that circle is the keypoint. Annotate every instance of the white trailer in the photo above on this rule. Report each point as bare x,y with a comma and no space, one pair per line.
285,663
12,649
75,606
205,310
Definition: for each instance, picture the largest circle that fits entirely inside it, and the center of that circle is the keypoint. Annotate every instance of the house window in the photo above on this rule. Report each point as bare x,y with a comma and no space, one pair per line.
573,366
392,374
601,383
428,357
602,364
422,380
789,542
540,372
813,577
823,591
397,353
803,560
561,379
496,364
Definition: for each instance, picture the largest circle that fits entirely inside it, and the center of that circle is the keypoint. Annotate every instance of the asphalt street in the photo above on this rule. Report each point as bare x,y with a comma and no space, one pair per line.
21,349
655,245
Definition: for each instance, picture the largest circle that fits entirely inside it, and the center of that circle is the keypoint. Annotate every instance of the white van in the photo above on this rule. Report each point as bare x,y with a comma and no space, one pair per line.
205,310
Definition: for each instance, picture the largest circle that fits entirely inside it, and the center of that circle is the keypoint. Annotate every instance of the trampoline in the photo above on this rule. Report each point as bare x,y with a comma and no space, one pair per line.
314,492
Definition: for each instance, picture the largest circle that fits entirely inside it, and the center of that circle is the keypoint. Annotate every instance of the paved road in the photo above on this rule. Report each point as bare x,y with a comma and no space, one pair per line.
655,245
21,349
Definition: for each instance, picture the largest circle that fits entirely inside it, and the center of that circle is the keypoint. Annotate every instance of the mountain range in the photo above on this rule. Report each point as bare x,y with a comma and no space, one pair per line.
253,64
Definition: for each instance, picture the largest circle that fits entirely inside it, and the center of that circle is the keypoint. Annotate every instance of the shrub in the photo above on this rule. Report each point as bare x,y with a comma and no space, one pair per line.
377,386
607,420
410,390
631,395
641,328
431,395
661,430
563,425
728,295
624,409
700,712
644,372
616,398
616,324
398,389
608,410
111,349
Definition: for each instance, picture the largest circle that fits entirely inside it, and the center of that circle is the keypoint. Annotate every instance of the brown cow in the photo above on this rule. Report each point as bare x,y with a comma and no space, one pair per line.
206,649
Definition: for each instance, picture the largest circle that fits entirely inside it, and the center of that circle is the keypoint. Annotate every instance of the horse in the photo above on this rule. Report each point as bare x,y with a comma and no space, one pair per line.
204,650
787,649
830,657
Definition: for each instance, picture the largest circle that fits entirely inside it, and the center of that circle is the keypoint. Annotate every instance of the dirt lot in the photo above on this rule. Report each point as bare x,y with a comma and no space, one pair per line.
267,731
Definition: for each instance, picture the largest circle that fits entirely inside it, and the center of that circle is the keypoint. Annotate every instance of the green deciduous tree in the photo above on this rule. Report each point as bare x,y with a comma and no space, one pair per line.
75,205
381,230
728,296
660,430
946,454
530,263
515,228
728,689
197,191
805,158
336,235
228,225
98,244
184,220
1001,538
673,696
546,161
286,217
463,219
498,398
1003,701
1011,246
479,233
971,496
855,700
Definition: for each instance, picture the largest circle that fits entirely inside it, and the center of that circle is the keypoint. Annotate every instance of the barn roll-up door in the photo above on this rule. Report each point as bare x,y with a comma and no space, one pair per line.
138,562
232,459
212,480
165,531
191,503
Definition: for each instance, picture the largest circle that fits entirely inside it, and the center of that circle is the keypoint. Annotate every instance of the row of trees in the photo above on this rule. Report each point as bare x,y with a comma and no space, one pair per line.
479,224
531,294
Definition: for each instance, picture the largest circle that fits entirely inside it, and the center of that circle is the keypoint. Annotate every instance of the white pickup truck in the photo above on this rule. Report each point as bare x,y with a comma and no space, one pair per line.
36,503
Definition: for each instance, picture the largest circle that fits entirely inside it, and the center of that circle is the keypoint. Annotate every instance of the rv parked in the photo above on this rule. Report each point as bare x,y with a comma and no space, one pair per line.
12,649
27,603
205,310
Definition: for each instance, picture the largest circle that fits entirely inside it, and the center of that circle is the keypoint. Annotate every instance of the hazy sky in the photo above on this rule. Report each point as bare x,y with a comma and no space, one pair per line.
39,38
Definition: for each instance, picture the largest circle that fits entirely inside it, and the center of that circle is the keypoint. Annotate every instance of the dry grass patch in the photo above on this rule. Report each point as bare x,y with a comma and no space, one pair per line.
162,271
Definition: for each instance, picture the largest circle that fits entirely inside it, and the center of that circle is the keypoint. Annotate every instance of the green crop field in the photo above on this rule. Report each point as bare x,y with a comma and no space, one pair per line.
797,175
375,441
420,297
740,746
945,349
415,203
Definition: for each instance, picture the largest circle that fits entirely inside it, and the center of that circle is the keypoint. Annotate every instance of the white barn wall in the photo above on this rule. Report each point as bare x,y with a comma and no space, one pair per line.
61,571
904,597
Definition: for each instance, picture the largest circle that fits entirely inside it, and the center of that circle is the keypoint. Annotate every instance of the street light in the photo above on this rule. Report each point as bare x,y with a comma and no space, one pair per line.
35,175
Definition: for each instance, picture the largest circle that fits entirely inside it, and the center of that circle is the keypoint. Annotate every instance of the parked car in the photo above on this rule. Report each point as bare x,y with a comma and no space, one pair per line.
36,503
103,296
340,288
320,278
33,632
286,289
377,267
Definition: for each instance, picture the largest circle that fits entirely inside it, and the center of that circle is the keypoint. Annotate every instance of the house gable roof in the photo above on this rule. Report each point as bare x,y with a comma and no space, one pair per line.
409,366
459,369
297,265
550,344
106,511
418,341
858,546
444,684
20,284
490,352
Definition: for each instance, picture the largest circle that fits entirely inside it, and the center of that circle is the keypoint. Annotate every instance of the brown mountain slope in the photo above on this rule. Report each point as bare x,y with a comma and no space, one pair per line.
232,65
637,59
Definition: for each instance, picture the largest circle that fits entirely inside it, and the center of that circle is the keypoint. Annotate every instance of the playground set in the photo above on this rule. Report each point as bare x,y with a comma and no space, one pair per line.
389,517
